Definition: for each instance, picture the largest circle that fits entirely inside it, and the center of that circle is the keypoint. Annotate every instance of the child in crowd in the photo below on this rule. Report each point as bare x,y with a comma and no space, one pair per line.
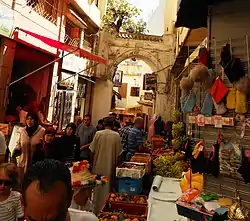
10,201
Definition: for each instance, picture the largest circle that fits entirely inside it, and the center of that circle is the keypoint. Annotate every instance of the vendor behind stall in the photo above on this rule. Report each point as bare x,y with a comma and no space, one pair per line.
135,139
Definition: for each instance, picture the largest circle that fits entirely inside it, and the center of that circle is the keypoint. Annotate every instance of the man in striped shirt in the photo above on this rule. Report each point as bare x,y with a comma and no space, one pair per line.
135,139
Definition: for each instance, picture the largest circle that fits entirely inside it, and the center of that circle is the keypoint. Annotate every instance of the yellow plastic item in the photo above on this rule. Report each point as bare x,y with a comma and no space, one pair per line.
196,179
231,98
241,103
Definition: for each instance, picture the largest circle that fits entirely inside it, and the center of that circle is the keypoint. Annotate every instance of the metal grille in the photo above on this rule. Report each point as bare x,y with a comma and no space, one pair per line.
45,8
225,185
68,34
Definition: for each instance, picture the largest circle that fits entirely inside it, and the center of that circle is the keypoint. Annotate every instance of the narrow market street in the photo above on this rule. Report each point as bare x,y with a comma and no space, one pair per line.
124,110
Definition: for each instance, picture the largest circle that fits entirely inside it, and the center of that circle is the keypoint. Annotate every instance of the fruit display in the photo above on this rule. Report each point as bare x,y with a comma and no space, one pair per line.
176,116
123,197
170,166
177,132
119,217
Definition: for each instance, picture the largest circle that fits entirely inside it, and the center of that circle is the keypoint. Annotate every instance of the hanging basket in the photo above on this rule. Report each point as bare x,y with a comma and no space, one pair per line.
199,73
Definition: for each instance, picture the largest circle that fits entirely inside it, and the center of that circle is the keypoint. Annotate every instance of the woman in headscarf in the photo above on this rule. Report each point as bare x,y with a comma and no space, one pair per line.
69,145
30,136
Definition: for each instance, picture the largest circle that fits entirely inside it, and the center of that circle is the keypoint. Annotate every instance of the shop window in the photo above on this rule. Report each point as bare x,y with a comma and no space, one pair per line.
135,92
72,34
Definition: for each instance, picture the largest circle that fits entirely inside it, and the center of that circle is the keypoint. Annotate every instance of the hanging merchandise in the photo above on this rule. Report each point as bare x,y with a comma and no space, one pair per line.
199,73
233,67
220,108
243,85
241,103
204,57
209,82
190,103
219,90
198,162
237,212
230,158
186,84
245,166
207,108
231,98
213,160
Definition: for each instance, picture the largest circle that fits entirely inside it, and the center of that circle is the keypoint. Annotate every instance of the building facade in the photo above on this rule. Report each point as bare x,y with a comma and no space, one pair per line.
75,23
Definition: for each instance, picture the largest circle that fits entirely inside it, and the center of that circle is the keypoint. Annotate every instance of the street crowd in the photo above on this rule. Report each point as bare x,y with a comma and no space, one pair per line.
37,185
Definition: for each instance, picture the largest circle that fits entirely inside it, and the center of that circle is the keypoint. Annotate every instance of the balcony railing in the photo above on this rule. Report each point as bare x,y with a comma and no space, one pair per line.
44,8
70,41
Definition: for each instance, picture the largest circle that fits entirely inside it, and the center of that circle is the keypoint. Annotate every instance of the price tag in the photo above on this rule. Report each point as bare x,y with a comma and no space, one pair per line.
132,189
201,120
201,147
218,122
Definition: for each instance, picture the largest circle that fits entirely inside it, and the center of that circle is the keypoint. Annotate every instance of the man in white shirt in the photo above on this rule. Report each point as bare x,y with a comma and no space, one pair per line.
47,194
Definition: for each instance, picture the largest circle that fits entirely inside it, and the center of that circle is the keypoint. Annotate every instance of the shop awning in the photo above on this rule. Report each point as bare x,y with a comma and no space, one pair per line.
65,47
194,13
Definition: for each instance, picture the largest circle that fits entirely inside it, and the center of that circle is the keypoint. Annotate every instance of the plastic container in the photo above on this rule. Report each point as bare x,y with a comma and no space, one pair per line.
129,185
131,169
129,209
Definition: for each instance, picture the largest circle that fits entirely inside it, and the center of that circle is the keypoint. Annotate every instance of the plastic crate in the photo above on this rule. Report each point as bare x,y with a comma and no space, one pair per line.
129,185
129,209
157,143
107,216
143,158
118,200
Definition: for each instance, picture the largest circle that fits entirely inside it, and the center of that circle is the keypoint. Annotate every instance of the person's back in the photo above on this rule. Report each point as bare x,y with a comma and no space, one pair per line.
107,150
159,126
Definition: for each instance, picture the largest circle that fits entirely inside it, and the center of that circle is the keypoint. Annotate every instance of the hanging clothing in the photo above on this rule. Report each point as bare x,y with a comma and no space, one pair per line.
151,128
106,148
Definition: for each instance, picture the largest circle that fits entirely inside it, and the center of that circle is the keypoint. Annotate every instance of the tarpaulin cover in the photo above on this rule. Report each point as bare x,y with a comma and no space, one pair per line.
65,47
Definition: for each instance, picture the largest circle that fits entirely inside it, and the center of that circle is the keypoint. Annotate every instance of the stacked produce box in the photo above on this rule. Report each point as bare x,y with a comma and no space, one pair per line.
143,158
124,207
130,177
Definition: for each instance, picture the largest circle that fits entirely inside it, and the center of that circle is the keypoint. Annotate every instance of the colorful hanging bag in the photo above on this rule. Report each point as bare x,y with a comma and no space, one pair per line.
241,103
190,103
231,98
207,108
219,90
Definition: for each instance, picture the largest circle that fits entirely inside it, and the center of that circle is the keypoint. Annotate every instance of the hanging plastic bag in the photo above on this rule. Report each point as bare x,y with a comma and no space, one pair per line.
241,103
231,98
220,108
207,108
190,103
219,90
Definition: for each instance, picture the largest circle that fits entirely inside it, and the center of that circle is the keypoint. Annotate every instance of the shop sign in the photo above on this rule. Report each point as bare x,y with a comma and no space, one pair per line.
73,63
117,80
148,96
201,120
132,74
150,81
6,18
67,81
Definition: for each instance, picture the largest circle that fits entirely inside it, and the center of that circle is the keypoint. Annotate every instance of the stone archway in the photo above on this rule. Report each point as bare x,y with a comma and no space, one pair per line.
156,51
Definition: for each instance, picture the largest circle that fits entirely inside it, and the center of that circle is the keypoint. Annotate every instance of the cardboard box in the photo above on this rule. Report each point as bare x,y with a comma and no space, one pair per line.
126,170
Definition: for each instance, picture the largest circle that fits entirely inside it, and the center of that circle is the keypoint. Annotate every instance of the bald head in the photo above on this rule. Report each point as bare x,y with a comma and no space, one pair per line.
139,122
